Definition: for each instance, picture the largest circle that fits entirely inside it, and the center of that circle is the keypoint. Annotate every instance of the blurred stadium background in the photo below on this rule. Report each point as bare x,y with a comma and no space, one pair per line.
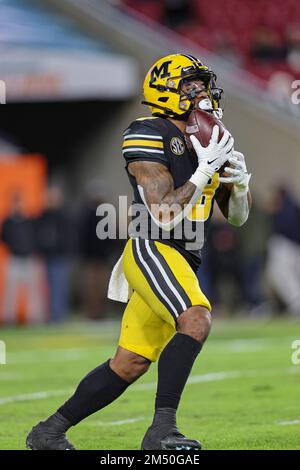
73,72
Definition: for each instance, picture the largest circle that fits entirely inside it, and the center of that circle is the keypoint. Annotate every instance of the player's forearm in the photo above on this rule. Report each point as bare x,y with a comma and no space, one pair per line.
165,204
180,196
237,178
171,208
186,195
239,206
178,203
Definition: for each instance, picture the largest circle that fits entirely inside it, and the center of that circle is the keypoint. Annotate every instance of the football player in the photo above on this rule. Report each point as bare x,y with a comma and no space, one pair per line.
168,317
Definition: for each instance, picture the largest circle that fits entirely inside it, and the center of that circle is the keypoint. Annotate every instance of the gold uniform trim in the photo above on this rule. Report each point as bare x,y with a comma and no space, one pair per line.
148,117
144,143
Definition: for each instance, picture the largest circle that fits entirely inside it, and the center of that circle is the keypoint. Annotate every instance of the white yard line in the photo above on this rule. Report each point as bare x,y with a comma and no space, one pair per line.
117,423
148,386
33,396
294,369
10,376
194,379
288,423
215,376
54,355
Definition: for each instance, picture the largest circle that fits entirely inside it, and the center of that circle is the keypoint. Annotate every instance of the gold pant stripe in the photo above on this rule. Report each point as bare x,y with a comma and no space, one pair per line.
163,283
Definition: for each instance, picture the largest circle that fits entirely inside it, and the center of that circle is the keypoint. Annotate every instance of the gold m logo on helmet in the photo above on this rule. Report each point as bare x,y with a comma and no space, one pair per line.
160,72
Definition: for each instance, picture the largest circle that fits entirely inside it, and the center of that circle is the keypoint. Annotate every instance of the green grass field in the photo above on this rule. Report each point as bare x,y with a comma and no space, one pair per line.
244,392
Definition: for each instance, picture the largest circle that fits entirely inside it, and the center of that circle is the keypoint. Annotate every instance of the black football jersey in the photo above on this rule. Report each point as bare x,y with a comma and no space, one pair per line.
156,139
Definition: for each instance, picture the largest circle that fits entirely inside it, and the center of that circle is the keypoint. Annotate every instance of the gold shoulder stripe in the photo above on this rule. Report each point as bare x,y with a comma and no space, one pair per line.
143,118
144,143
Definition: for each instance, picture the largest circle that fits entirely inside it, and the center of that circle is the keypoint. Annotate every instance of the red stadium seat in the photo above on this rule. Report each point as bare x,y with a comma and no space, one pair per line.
238,20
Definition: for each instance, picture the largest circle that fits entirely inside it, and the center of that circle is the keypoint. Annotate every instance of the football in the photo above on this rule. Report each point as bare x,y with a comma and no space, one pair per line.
200,124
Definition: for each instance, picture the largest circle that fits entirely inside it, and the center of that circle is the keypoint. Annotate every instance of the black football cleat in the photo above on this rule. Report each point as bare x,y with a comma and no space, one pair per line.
49,435
159,438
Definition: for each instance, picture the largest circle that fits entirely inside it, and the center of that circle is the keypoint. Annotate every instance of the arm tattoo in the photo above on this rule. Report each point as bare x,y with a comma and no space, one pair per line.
158,186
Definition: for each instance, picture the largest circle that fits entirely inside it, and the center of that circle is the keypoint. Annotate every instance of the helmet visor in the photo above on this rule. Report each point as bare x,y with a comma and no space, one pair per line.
192,73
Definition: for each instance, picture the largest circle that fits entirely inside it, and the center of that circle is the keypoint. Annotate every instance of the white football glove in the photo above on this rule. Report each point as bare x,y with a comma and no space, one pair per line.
212,157
238,174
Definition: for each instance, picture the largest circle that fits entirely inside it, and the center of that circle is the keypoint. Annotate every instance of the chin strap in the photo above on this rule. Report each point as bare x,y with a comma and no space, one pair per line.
168,112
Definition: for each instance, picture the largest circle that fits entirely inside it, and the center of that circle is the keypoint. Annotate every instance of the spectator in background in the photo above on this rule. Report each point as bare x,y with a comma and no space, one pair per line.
293,45
95,254
280,86
267,46
22,274
254,238
8,146
221,272
177,12
283,260
225,47
53,234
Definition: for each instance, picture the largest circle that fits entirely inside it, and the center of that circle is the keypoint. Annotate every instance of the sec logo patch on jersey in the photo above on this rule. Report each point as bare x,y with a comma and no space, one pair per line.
177,146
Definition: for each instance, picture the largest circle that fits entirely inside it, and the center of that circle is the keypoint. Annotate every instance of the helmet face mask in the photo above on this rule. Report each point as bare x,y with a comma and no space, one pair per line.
164,83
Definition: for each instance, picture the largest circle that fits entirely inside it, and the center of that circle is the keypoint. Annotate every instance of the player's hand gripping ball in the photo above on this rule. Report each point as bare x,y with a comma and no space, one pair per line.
200,124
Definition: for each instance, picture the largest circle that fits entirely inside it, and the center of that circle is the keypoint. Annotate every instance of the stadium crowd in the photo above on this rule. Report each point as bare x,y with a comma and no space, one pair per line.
264,40
56,259
256,269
